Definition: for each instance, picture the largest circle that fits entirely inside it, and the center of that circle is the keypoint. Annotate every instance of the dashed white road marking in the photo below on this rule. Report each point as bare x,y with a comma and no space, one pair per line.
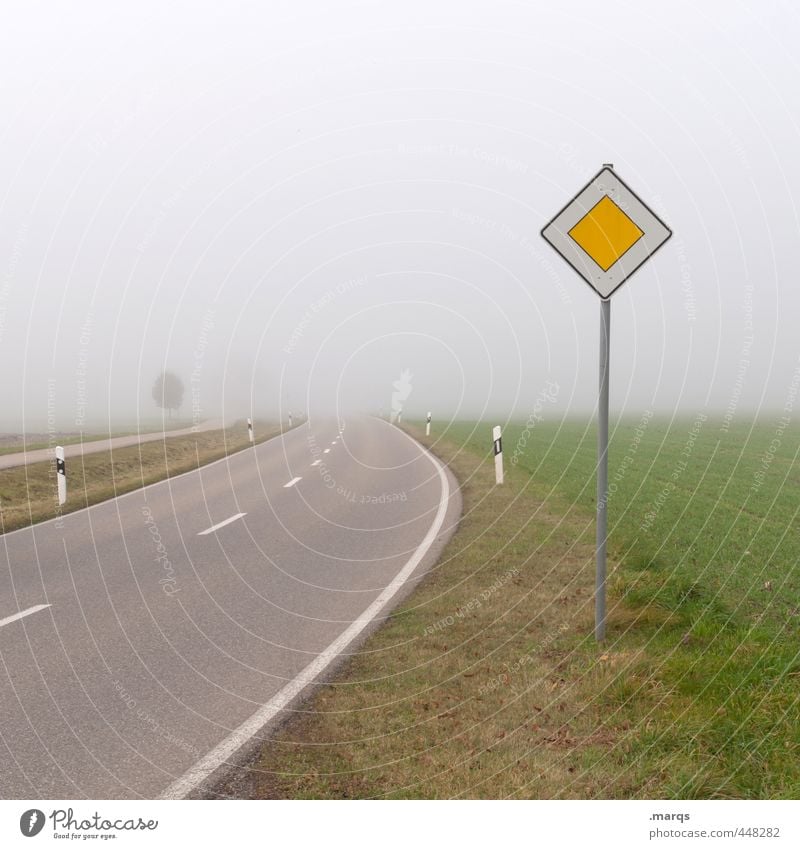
316,462
327,451
35,609
221,524
292,482
200,771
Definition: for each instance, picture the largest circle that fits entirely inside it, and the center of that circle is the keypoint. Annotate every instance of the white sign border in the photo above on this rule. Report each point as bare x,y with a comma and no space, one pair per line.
556,232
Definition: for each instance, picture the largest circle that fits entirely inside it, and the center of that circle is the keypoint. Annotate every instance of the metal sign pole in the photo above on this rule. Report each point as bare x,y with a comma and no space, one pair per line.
602,472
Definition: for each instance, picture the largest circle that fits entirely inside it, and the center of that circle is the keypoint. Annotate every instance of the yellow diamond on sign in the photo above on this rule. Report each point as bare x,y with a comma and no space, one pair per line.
606,233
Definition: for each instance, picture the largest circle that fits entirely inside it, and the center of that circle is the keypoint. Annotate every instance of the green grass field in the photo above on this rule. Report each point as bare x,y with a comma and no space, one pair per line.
696,692
690,505
703,526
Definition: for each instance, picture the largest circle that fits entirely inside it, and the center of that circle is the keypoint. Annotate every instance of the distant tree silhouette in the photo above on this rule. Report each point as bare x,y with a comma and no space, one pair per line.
168,391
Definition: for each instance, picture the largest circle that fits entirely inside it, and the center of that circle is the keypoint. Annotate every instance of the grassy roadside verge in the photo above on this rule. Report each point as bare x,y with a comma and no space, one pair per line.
13,445
28,493
486,682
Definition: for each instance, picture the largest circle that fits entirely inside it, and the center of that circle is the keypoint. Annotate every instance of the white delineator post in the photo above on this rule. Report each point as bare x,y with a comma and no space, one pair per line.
400,417
428,426
290,418
250,429
497,435
61,474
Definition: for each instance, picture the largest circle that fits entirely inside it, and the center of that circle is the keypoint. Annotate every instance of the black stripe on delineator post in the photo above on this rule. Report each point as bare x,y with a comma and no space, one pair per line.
498,446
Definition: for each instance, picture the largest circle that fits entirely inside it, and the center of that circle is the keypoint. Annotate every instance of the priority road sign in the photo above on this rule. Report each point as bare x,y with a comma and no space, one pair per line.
606,232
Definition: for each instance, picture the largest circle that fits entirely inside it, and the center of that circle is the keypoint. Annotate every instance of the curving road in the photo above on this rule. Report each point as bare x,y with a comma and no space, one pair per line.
150,640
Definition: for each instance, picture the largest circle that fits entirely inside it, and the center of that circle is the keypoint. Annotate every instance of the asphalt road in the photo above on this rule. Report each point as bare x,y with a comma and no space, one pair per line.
93,446
168,641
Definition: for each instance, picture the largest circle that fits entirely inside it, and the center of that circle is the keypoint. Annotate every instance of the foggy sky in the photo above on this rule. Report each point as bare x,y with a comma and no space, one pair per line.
289,204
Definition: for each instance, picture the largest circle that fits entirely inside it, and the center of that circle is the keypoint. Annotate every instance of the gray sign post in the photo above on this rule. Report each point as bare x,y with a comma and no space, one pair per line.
602,472
606,232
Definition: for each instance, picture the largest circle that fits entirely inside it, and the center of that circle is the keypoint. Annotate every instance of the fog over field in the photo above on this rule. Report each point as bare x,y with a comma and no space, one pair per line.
289,205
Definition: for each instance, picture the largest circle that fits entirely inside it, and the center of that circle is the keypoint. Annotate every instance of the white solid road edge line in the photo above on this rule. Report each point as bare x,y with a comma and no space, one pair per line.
35,609
195,776
221,524
292,482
